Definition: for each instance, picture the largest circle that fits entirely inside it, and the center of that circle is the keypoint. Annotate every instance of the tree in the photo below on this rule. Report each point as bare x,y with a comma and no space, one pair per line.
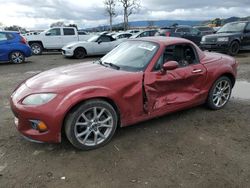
217,22
129,7
151,24
57,24
15,28
110,10
72,25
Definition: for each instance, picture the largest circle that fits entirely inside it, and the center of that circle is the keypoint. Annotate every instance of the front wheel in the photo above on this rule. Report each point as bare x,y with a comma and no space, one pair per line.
80,53
220,93
91,125
17,57
234,48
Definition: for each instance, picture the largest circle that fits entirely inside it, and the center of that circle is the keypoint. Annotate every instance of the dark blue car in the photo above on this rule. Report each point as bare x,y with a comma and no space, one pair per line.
13,47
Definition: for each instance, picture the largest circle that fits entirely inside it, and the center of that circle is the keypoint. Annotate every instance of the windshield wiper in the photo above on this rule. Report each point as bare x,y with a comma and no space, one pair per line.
106,64
112,65
99,62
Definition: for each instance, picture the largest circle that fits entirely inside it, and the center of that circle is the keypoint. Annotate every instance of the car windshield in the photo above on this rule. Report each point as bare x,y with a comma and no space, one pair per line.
132,55
93,39
232,28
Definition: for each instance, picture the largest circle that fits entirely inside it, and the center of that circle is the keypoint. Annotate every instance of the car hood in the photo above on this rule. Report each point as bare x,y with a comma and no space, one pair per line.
71,75
216,35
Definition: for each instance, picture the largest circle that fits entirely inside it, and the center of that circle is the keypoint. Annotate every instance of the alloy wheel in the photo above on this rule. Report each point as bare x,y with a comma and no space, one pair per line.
221,93
93,126
17,57
36,49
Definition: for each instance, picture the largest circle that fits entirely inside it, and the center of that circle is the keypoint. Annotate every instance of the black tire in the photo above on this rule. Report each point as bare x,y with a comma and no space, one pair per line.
75,120
36,48
234,48
80,53
215,92
17,57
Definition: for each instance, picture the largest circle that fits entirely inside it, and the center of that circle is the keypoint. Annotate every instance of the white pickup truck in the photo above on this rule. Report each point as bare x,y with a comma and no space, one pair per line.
54,39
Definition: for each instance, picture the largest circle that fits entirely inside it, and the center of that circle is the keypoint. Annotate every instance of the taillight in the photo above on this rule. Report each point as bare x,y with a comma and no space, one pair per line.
23,40
168,34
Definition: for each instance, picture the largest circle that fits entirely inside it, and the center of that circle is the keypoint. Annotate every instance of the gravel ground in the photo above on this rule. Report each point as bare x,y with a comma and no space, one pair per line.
191,148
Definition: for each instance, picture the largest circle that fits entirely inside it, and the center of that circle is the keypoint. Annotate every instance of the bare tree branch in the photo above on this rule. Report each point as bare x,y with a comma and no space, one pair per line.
129,7
110,10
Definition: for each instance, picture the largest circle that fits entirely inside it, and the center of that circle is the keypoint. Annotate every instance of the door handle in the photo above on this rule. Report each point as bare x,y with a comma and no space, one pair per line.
197,71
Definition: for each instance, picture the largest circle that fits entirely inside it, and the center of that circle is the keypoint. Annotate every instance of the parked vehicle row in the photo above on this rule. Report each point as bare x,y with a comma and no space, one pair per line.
231,38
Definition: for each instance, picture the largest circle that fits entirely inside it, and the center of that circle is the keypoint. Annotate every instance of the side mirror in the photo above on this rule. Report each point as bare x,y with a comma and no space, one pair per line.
170,65
48,34
99,41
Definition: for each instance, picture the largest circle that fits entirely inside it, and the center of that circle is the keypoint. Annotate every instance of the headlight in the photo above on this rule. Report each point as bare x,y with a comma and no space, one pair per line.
203,39
39,99
223,39
69,47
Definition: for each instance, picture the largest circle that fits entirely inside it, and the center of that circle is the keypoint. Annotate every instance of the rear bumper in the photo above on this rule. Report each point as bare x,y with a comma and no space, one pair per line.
27,52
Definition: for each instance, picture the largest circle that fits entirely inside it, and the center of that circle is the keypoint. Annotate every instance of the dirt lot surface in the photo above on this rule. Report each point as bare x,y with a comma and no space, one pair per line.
192,148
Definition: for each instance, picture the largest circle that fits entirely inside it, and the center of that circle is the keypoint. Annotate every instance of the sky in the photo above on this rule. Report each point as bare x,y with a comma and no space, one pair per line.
39,14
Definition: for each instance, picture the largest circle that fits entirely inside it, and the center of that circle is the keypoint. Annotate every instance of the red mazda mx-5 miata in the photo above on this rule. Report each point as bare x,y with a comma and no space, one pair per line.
139,80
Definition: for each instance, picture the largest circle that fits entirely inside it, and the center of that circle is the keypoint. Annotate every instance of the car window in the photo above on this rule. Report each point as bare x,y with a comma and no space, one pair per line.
68,31
183,54
10,36
194,31
182,30
204,28
105,39
54,32
144,34
82,33
3,37
152,33
120,36
128,35
248,27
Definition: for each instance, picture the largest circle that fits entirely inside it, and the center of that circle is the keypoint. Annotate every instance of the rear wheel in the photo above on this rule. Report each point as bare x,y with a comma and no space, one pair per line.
234,48
80,53
17,57
91,125
220,93
36,48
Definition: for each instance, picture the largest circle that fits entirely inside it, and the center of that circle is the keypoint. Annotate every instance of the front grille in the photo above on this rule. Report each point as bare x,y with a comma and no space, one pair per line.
211,40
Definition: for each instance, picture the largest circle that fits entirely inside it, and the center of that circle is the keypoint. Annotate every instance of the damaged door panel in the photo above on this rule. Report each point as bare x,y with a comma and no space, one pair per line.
175,87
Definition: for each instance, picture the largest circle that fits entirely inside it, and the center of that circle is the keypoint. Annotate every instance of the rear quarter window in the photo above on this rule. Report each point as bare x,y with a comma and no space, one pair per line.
68,31
3,37
10,36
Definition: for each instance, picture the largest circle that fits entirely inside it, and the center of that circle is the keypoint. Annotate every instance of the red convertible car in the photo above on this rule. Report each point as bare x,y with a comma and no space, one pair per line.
139,80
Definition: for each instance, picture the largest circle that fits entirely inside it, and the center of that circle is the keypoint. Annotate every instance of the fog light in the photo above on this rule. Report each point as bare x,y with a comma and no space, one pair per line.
38,125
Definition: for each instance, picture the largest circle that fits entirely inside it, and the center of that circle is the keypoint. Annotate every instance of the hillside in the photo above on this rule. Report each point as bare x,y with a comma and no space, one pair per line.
228,20
150,23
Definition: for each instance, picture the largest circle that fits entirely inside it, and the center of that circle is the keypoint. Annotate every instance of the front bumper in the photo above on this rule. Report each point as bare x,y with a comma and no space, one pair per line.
222,47
46,113
67,52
